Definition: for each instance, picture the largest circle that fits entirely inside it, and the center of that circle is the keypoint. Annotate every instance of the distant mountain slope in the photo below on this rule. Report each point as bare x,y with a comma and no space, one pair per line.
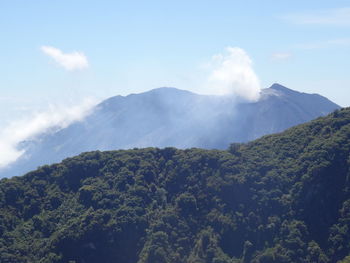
171,117
284,198
278,109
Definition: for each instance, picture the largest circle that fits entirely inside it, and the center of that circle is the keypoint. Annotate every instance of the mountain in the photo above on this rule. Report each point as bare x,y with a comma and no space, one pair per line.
170,117
281,198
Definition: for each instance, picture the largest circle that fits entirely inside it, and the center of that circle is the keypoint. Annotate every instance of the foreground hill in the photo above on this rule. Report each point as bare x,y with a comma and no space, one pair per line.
171,117
282,198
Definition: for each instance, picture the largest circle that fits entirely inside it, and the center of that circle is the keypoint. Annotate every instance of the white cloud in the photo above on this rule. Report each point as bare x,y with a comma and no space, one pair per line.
335,17
232,73
56,117
281,56
70,61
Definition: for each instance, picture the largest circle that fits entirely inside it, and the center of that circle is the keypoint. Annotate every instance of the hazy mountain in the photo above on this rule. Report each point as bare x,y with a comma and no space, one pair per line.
171,117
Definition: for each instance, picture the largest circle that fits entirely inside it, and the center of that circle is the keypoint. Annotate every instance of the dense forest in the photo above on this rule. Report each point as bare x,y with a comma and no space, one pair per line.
281,198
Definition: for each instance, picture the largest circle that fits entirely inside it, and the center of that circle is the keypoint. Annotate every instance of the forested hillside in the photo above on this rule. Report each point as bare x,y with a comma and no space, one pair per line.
282,198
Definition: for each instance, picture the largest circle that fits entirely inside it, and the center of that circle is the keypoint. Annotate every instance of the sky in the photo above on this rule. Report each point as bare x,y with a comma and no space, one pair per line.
62,52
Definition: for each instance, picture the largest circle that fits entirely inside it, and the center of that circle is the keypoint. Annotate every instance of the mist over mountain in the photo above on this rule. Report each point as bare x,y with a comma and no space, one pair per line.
171,117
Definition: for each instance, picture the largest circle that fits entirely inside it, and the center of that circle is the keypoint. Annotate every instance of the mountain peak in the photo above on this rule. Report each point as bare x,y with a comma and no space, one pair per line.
163,90
282,88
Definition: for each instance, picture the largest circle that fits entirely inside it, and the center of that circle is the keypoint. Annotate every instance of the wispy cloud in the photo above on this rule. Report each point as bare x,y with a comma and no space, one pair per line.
340,42
70,61
280,56
232,73
56,117
335,17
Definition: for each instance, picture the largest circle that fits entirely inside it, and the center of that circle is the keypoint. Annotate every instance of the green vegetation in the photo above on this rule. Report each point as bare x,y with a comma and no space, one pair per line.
282,198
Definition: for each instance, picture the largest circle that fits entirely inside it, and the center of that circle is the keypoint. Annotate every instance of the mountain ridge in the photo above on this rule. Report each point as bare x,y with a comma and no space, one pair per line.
172,117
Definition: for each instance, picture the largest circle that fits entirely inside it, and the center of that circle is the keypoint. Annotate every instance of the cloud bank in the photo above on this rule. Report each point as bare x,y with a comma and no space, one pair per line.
231,73
69,61
334,17
57,117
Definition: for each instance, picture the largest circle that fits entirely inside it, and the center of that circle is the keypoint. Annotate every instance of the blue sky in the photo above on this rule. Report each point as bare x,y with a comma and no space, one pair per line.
133,46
